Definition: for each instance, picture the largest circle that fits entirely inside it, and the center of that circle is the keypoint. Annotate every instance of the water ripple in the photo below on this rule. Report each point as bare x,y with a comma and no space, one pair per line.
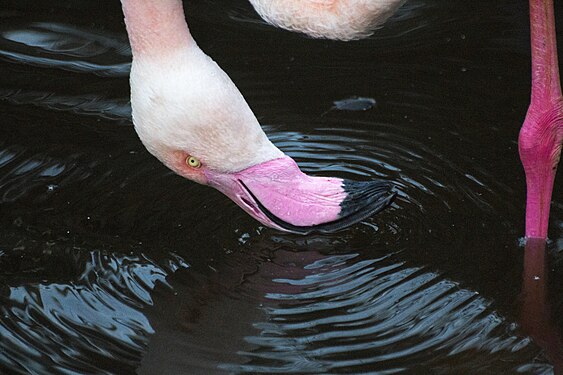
92,324
111,264
85,105
52,45
383,311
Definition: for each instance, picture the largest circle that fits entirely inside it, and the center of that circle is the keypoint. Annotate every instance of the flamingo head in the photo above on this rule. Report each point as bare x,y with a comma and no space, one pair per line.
205,132
190,115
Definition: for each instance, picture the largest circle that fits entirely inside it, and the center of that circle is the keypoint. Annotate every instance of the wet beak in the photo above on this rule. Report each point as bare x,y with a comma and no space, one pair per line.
280,196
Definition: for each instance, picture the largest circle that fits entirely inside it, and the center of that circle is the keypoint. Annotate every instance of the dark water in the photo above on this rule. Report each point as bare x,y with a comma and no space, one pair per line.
110,264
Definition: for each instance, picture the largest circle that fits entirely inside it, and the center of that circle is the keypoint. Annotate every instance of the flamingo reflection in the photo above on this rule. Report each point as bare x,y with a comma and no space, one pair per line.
536,313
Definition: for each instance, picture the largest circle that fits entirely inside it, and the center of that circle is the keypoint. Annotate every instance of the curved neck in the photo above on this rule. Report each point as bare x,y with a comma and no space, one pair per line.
155,27
545,71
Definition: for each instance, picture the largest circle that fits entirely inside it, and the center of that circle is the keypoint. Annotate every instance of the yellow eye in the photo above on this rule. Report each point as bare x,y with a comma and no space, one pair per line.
193,162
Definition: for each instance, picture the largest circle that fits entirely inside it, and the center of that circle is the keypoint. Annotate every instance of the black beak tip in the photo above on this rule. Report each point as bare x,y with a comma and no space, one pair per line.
363,199
366,198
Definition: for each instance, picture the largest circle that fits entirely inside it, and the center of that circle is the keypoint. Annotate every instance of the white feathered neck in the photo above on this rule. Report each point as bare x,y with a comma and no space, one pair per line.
182,100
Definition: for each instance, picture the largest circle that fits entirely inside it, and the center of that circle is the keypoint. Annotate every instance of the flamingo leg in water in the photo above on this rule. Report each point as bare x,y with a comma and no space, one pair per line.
536,315
541,135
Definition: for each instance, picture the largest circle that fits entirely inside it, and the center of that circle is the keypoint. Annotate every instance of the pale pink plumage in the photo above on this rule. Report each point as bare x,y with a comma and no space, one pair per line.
332,19
183,101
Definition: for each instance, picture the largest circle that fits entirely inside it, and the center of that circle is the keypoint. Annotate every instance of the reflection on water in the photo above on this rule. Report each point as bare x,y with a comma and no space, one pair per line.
52,45
91,323
111,264
536,312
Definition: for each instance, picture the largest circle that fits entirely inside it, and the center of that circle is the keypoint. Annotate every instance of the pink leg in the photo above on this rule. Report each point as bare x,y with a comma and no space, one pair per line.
541,135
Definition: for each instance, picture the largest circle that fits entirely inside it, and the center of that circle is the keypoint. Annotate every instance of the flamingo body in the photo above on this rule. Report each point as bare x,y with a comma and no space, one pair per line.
332,19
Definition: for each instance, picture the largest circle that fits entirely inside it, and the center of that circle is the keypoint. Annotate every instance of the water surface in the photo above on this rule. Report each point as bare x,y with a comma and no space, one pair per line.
110,264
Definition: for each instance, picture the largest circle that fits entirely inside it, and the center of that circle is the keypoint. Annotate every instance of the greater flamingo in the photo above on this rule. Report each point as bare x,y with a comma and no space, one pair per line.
189,114
541,135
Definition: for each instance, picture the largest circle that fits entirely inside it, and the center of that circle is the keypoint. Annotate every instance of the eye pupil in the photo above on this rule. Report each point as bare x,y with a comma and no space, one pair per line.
193,162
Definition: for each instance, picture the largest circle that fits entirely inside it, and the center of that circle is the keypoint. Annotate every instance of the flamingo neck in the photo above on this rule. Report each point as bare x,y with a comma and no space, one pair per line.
545,72
156,28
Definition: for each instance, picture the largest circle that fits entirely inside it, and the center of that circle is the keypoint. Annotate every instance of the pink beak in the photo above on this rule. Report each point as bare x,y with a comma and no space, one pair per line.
280,196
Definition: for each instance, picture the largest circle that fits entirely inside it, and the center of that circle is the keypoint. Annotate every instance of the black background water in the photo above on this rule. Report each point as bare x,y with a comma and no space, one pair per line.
109,263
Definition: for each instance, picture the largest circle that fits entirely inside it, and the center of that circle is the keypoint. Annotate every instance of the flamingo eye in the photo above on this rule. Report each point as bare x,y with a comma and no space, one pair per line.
193,162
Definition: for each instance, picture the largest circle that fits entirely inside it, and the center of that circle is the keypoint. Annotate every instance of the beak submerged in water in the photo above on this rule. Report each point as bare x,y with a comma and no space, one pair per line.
280,196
